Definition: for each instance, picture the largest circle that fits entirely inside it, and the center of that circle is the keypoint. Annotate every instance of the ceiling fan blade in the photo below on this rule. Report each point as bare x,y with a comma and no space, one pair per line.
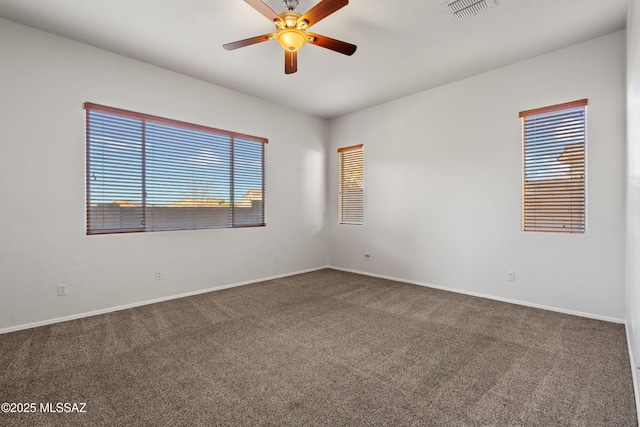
332,44
248,42
264,9
290,62
322,10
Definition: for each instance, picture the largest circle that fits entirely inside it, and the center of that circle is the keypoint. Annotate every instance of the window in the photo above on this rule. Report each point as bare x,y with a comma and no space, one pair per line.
146,173
554,140
351,177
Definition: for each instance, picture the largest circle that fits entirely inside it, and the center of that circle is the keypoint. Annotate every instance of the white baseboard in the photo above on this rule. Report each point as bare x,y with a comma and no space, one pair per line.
492,297
147,302
248,282
634,373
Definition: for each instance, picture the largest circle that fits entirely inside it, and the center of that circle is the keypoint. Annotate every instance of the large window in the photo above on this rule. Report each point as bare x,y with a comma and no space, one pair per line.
351,178
146,173
554,140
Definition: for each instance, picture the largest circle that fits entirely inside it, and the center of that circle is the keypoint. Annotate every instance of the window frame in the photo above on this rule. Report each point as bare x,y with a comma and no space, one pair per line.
351,208
178,126
561,206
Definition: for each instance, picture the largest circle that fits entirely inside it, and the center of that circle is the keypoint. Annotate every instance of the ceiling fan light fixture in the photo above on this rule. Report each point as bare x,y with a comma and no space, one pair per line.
291,39
291,30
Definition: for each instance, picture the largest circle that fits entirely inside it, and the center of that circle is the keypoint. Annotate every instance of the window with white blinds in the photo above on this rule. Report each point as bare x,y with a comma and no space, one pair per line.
554,140
147,173
351,187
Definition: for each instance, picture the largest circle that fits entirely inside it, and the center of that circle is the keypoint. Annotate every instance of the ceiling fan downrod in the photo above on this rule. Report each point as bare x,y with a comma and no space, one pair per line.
290,4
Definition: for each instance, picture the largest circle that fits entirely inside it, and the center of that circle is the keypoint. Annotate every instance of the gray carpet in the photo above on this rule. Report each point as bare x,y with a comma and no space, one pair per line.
323,348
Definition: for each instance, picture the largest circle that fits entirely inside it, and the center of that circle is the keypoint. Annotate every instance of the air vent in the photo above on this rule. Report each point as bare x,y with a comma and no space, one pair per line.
463,9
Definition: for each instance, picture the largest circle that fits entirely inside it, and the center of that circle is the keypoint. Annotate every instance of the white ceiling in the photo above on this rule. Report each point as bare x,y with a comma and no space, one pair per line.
403,46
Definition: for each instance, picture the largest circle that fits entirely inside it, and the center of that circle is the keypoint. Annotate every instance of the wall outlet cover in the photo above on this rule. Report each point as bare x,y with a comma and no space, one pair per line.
62,290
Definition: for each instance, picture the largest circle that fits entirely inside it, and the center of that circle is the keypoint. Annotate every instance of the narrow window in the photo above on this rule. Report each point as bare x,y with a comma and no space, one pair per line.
351,178
147,173
554,140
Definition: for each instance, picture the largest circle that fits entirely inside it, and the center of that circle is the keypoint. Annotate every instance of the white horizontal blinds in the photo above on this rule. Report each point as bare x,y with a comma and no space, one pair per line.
114,173
146,173
248,183
351,184
554,140
187,178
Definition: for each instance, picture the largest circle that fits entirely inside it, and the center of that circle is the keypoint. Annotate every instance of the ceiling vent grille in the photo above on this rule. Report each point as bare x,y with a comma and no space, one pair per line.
463,9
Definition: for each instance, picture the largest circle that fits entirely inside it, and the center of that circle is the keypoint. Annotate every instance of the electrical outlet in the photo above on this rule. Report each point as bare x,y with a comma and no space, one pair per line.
511,276
159,275
62,290
275,259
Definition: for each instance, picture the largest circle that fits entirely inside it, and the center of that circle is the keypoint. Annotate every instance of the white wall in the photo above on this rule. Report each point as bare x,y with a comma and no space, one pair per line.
443,186
44,81
633,191
442,176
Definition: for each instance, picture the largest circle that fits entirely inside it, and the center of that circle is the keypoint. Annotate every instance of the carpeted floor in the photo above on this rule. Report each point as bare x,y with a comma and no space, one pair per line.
322,348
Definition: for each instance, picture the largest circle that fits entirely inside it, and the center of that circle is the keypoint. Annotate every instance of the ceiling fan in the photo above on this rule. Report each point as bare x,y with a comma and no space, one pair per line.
291,30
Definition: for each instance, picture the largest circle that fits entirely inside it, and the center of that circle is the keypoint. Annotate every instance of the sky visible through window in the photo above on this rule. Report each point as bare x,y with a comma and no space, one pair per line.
177,164
559,138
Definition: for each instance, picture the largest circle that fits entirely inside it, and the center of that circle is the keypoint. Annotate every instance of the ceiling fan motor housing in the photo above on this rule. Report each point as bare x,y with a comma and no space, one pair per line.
291,36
